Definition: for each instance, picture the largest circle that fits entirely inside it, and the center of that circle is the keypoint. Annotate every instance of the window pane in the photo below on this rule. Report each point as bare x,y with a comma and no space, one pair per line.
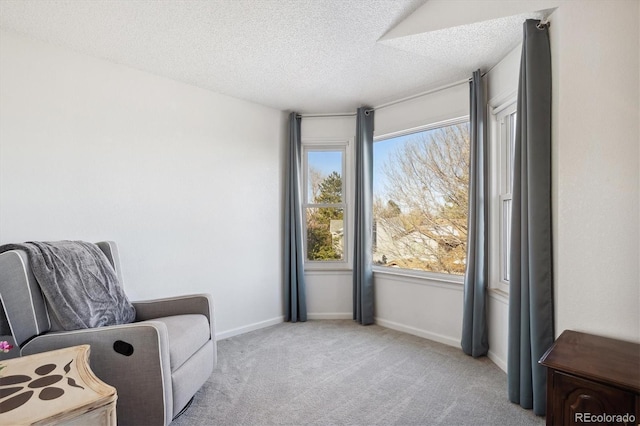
420,185
506,239
511,143
324,177
325,233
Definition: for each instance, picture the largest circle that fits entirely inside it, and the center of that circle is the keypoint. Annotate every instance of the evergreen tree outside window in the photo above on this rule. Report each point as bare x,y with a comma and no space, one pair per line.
325,205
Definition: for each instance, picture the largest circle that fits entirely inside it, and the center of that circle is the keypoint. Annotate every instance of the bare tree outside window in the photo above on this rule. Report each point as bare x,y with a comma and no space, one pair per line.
420,210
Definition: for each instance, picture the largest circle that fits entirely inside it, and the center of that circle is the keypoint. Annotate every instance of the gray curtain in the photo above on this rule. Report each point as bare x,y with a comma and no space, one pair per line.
531,282
363,221
474,319
294,286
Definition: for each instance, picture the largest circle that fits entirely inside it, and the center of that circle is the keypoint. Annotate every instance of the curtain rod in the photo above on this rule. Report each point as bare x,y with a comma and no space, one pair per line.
418,95
388,104
334,114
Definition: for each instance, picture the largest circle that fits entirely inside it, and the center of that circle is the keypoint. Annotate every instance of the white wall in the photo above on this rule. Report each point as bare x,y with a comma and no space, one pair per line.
329,294
431,108
186,181
595,51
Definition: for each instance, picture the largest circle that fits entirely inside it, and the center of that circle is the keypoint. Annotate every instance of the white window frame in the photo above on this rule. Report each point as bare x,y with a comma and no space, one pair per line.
414,273
500,164
329,145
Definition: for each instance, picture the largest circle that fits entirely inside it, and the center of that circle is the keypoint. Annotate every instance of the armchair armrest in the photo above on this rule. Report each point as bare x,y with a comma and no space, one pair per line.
142,377
180,305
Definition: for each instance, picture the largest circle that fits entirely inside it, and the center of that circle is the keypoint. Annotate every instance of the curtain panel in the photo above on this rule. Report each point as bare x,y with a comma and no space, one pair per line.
475,341
294,285
363,220
531,319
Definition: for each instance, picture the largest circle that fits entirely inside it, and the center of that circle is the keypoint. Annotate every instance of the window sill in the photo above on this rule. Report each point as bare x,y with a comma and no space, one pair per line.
423,278
328,271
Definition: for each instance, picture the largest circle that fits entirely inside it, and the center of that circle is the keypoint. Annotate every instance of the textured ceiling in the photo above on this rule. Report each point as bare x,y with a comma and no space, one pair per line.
305,55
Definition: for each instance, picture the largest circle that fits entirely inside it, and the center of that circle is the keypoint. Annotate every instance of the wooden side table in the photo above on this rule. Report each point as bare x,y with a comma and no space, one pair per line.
53,387
592,380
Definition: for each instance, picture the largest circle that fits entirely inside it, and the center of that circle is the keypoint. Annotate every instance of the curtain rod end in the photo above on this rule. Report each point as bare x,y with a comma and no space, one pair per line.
544,23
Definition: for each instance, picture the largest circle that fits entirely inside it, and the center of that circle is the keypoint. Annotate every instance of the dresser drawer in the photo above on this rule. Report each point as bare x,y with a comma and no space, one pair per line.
576,401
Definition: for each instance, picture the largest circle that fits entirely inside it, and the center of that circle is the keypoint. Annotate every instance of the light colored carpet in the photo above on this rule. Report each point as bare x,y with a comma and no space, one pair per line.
336,372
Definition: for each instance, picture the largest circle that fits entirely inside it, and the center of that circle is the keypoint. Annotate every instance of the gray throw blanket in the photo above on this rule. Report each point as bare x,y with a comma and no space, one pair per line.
78,282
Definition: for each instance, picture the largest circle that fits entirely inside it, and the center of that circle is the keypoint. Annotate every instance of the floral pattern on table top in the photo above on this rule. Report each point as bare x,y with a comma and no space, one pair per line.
16,390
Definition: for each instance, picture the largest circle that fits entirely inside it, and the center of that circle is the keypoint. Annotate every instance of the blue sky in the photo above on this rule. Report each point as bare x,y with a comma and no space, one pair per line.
326,161
382,150
329,161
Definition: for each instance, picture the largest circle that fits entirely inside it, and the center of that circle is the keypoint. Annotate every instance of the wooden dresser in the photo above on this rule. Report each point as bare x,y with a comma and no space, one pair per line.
55,387
592,380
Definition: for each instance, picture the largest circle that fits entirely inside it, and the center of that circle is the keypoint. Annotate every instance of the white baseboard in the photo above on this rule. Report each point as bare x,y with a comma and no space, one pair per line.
248,328
330,316
497,361
419,332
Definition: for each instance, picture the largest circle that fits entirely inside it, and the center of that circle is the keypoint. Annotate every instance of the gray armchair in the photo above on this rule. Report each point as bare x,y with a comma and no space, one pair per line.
156,363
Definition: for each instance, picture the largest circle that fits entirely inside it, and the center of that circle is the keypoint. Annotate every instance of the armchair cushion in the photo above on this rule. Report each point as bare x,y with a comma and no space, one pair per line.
181,305
187,334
